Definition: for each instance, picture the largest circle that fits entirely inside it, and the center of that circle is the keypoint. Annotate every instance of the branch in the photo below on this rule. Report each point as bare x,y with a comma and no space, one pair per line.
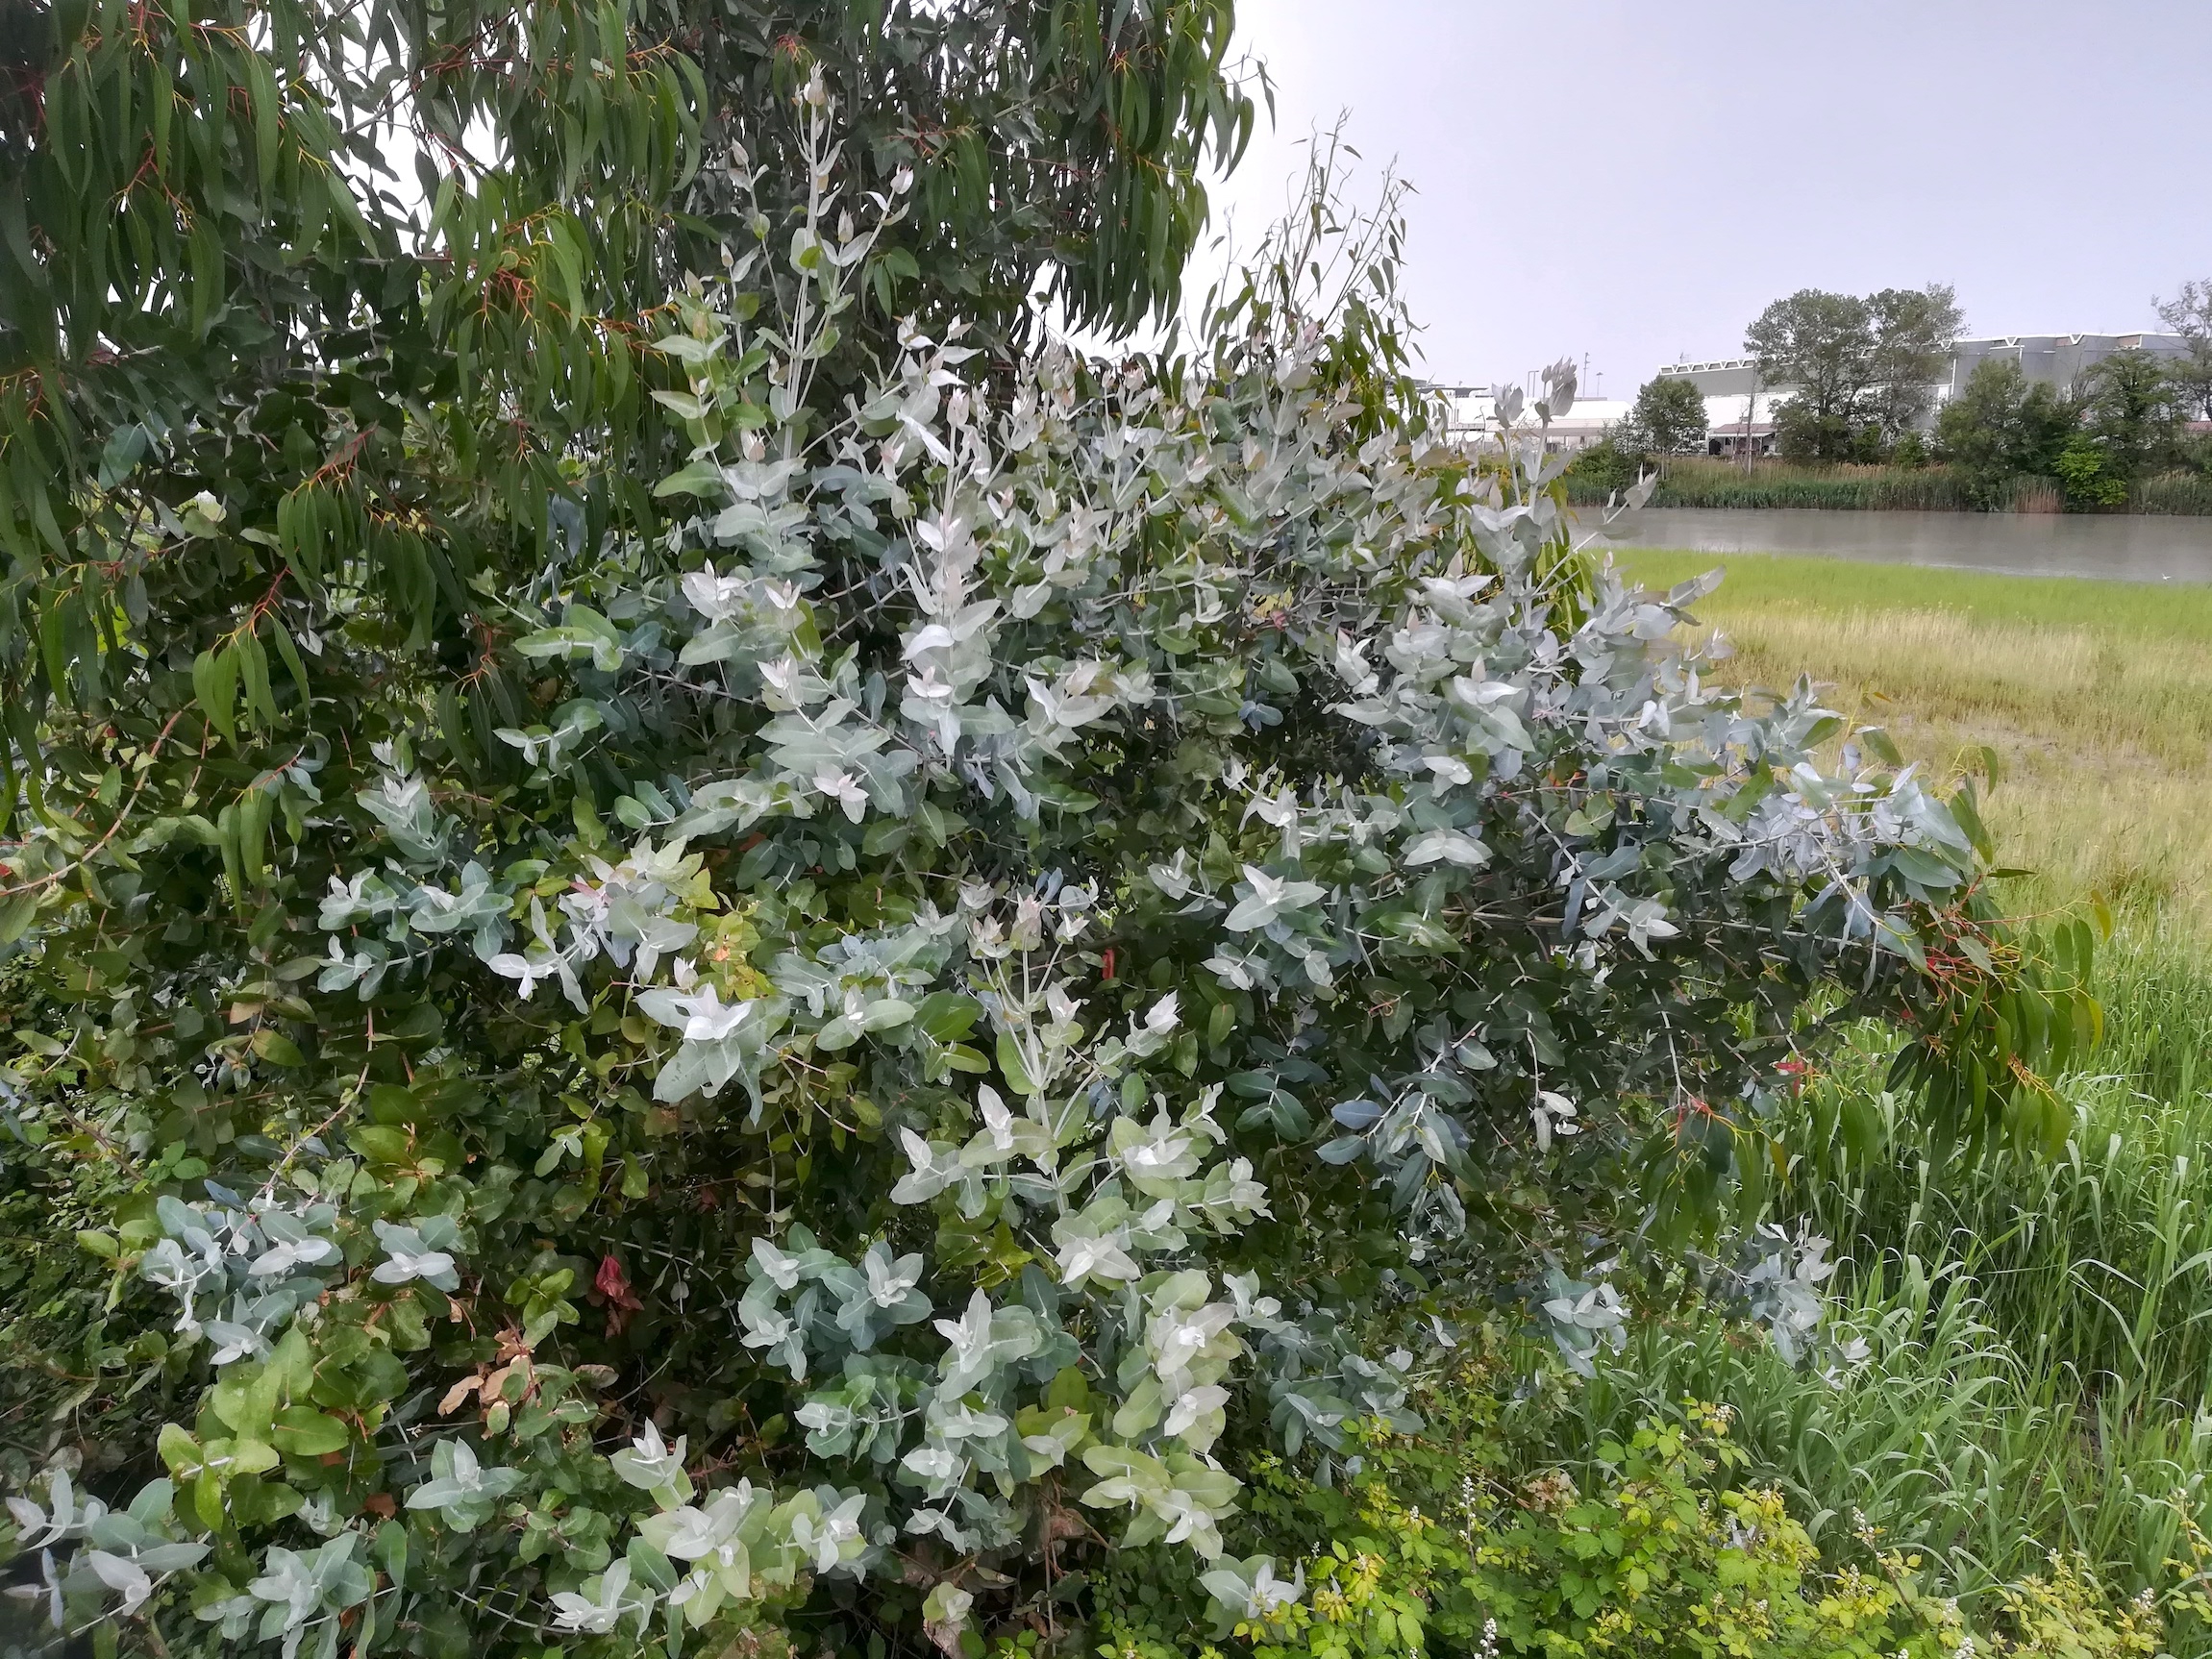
121,817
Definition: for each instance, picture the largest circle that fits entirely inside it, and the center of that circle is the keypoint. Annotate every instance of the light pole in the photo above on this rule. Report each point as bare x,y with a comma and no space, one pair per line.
1751,413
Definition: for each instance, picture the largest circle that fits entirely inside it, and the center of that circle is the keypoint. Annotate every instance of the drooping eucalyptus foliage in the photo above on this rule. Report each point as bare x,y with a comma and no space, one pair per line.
386,264
823,1049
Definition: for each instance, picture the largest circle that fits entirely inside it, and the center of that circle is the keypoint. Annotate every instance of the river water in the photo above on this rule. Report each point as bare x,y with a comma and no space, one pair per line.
2121,548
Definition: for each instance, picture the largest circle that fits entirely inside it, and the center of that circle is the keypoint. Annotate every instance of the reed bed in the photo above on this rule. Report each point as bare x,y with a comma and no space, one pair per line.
1692,481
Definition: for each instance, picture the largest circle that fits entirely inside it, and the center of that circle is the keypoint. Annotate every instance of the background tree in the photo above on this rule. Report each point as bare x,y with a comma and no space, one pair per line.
2132,410
1667,418
1863,369
207,211
1821,344
1914,330
2189,314
2003,426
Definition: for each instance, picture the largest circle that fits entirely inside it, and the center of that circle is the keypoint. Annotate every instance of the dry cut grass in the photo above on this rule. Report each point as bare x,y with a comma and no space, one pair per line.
2095,696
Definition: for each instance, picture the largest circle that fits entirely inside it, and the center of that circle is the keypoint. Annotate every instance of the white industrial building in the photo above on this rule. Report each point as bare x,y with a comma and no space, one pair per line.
1470,415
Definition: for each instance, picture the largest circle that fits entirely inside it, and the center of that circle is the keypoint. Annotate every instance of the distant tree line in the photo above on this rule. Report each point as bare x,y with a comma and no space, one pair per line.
1854,378
2121,422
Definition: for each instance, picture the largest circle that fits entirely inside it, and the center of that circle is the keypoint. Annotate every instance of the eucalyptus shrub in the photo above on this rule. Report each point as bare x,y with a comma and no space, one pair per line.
1049,934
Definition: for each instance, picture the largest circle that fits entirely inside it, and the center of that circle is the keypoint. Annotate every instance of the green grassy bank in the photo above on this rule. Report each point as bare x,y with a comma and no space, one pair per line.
2097,698
2041,1331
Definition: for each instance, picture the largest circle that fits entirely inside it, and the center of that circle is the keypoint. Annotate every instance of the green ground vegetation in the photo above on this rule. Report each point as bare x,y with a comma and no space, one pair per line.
1696,480
2040,1330
2097,698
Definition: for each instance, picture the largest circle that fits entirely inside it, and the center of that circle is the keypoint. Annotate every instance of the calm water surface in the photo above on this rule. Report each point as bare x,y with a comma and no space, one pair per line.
2120,549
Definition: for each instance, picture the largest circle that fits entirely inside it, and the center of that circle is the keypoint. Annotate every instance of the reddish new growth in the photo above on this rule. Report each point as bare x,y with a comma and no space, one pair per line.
611,1286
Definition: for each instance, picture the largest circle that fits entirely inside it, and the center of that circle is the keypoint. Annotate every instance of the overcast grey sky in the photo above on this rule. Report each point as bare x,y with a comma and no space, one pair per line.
1638,177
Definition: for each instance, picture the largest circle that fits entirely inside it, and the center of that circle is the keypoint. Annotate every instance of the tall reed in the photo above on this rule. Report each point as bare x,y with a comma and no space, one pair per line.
2041,1328
1691,480
2174,492
1948,1439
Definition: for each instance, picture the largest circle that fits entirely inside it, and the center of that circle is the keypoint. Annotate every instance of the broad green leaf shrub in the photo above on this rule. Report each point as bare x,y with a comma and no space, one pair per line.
834,1064
1662,1558
1464,1540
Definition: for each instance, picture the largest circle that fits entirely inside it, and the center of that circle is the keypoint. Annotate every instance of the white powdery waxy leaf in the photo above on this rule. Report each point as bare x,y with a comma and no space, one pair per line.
1553,1114
934,1169
649,1462
604,1602
781,1269
1448,846
410,1256
1104,588
120,1573
1267,896
1105,1257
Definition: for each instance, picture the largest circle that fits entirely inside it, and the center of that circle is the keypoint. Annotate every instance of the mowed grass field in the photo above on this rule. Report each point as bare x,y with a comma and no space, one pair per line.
2096,697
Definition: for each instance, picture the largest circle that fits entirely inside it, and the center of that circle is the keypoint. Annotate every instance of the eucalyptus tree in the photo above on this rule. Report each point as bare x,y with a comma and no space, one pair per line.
723,984
249,244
